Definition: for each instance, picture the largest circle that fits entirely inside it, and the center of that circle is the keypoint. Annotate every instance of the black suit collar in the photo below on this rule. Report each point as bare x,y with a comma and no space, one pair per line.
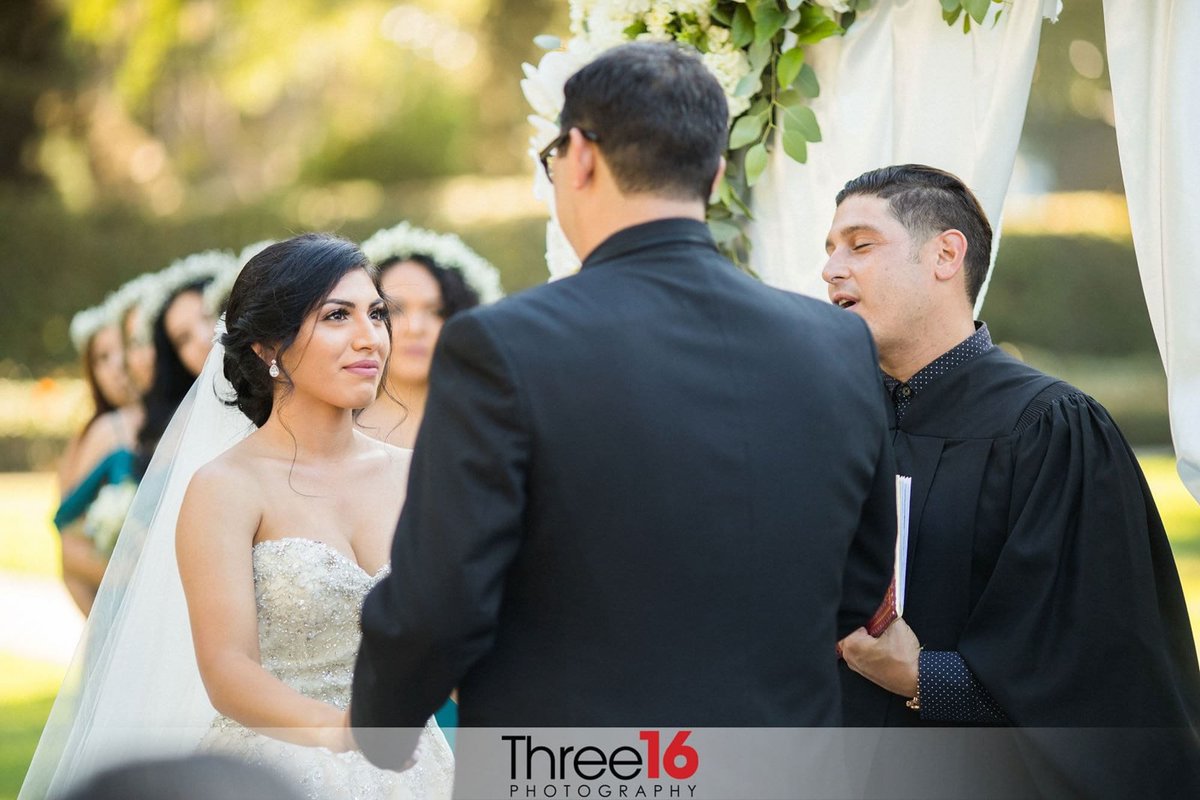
656,233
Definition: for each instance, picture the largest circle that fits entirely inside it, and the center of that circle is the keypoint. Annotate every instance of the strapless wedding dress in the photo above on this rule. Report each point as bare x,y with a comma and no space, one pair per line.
309,598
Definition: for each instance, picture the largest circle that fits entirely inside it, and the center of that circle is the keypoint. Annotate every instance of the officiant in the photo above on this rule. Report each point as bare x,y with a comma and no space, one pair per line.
1041,586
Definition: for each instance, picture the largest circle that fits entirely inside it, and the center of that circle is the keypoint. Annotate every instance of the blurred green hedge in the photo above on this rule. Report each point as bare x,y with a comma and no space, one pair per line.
1070,305
53,263
1073,306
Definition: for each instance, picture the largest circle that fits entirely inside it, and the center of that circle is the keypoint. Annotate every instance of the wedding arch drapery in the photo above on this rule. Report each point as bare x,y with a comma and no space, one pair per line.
1153,66
900,87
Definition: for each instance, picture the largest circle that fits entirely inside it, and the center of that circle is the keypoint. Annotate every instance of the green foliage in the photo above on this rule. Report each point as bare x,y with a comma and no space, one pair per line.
183,105
427,138
776,33
976,10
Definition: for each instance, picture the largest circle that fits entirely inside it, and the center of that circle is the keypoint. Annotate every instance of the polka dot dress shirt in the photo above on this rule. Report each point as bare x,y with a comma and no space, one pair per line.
903,393
949,691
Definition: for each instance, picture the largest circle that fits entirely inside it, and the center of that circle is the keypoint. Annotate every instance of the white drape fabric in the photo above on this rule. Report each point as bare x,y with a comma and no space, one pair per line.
1154,65
900,87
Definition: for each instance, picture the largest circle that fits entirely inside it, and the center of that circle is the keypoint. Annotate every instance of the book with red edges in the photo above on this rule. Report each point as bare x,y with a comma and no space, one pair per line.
886,614
892,607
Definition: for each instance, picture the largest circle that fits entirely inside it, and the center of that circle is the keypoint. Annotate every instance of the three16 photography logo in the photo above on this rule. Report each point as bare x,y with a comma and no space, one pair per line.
658,764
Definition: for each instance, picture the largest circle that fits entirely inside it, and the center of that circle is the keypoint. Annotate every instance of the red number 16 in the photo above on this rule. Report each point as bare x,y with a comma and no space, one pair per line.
677,751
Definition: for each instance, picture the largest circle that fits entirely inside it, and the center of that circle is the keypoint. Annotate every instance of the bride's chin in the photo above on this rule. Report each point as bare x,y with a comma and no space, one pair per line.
357,402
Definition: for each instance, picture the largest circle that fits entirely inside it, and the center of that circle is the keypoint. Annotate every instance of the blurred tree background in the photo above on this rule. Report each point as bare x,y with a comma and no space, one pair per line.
133,132
137,131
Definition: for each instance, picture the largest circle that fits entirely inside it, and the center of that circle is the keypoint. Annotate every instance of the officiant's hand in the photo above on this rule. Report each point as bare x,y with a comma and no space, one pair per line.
889,661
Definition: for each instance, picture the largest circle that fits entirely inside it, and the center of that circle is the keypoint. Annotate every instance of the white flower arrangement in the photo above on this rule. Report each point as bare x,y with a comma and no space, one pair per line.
190,269
444,249
107,513
216,294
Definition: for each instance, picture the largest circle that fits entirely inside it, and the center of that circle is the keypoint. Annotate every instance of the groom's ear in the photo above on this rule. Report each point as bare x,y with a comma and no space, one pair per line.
716,183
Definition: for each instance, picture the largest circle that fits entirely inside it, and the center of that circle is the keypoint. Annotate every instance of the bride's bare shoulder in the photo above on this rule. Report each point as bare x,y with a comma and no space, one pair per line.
231,474
223,503
388,456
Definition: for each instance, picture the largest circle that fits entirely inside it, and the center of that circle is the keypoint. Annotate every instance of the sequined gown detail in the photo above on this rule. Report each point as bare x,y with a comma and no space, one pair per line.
309,598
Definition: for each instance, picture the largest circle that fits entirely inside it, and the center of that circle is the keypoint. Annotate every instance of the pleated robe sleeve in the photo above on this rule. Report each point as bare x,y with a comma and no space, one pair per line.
1083,621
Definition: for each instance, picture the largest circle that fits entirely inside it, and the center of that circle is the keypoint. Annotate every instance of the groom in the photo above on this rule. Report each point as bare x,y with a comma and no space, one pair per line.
653,493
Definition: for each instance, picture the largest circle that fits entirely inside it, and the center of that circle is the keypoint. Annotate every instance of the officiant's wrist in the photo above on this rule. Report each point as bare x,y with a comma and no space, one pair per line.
914,702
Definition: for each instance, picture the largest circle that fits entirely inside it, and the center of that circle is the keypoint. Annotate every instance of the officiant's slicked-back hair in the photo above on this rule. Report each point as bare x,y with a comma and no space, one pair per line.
927,201
659,114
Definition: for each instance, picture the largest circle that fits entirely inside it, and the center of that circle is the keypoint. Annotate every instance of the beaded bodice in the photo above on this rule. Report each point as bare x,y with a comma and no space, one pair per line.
309,600
309,597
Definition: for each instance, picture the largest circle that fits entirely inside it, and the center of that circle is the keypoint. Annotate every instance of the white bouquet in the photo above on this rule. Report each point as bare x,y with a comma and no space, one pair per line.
106,515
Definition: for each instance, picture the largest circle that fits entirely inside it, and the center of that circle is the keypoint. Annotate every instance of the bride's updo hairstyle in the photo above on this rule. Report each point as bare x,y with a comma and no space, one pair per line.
273,295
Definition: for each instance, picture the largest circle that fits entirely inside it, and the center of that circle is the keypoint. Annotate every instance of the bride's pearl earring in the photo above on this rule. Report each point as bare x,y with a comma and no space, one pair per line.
273,370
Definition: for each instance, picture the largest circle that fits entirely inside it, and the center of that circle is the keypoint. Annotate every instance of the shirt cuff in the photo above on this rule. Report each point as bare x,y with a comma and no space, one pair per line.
950,692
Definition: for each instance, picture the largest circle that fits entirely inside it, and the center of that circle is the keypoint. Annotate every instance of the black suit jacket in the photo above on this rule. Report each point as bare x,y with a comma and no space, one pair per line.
653,493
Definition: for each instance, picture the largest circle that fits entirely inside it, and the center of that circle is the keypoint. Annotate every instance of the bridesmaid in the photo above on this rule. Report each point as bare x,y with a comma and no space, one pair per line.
120,442
98,339
426,278
182,337
179,326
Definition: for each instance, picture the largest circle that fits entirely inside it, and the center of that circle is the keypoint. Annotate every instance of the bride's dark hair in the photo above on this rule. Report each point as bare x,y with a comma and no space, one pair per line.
273,295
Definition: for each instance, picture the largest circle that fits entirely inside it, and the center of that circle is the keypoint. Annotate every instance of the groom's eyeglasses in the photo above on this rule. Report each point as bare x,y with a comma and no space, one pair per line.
551,150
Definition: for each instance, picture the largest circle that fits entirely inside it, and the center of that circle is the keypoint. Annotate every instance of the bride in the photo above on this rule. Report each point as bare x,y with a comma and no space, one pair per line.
279,538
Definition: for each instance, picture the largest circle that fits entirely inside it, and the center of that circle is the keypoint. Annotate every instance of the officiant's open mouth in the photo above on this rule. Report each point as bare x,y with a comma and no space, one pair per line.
844,301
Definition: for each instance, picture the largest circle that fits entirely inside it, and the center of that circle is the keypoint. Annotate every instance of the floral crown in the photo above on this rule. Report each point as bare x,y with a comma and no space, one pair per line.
90,321
216,294
87,323
190,269
444,249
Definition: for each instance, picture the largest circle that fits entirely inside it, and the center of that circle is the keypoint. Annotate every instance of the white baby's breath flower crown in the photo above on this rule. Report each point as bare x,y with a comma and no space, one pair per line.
444,249
216,294
90,321
87,323
189,269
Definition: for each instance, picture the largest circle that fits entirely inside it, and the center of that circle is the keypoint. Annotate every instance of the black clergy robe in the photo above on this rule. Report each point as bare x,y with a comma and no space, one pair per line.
1036,552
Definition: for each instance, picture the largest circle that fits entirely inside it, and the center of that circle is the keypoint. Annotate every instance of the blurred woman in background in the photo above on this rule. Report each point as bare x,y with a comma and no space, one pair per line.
426,278
181,337
179,327
98,338
139,374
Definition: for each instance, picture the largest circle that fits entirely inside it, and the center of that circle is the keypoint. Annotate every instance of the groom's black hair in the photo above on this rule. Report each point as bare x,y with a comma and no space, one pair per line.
927,201
659,116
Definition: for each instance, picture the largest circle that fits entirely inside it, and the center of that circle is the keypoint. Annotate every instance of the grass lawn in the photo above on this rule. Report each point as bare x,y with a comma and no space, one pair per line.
27,690
29,545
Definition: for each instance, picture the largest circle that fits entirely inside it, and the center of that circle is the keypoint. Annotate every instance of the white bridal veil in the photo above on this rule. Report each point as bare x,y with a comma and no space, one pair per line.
133,689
